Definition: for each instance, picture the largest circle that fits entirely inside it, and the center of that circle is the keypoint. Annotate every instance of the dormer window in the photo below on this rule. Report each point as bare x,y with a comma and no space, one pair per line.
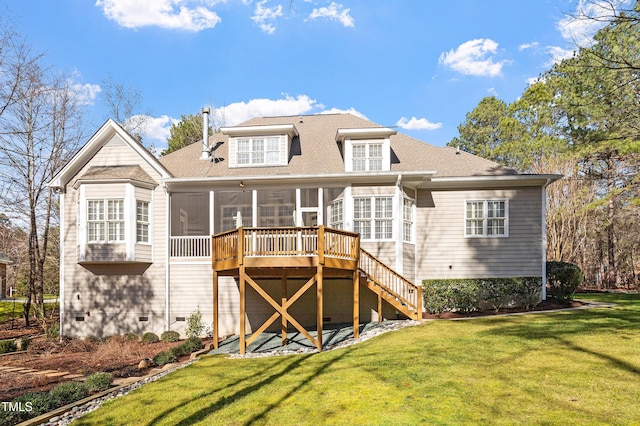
259,146
258,151
367,157
367,149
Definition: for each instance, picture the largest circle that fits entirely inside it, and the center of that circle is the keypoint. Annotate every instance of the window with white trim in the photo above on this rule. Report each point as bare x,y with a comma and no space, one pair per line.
336,215
373,217
366,157
486,218
107,227
230,213
407,220
142,222
275,215
258,151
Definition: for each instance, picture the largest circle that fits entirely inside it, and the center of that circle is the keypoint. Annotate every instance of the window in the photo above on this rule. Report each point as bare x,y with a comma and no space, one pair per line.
486,218
95,221
367,157
105,228
275,215
264,151
142,222
376,222
230,213
336,214
407,220
115,220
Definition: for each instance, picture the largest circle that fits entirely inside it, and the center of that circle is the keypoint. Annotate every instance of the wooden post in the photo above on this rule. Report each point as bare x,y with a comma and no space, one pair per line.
284,303
356,304
319,274
216,332
380,307
242,310
321,244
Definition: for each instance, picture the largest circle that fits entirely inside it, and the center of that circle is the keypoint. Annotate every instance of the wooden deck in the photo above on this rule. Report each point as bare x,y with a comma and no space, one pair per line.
312,253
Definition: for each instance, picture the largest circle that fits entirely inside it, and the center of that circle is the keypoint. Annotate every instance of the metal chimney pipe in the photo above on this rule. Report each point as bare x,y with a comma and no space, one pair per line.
205,133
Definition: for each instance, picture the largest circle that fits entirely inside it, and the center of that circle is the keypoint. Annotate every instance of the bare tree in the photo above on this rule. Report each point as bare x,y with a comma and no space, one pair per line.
38,133
123,103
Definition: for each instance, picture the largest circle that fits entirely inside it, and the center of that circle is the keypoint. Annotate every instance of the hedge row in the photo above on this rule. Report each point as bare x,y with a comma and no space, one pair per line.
474,294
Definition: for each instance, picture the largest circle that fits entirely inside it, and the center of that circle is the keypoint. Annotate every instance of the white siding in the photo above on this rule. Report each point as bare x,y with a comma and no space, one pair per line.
442,251
111,298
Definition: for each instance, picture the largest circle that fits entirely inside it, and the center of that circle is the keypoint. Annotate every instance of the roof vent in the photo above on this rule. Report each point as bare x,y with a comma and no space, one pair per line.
205,133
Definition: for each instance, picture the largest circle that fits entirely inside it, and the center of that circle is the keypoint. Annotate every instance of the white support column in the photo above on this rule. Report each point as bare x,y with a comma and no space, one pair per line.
320,207
254,207
211,214
347,209
167,267
130,222
298,208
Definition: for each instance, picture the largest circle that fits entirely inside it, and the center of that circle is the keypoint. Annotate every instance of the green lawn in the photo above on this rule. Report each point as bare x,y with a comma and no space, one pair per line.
8,310
577,367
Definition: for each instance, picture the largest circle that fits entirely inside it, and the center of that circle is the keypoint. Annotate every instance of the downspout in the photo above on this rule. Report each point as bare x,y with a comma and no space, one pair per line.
544,239
167,275
205,133
62,260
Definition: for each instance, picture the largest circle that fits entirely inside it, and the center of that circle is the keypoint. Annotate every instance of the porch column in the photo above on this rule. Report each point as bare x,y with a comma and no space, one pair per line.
319,311
283,288
356,304
216,332
243,345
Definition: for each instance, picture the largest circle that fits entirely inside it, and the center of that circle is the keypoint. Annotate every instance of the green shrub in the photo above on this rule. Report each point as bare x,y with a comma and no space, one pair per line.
179,350
470,294
7,346
563,279
38,402
68,392
195,325
131,337
149,337
164,358
192,344
170,336
98,382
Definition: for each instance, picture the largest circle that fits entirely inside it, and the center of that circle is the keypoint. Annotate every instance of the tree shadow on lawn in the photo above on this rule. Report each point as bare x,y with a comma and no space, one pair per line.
561,326
242,392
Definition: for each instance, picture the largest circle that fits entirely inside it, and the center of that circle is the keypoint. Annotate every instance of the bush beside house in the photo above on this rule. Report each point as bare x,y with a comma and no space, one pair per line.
475,294
563,279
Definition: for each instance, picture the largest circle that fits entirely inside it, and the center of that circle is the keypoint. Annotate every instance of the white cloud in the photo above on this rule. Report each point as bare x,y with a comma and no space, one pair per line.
351,110
85,93
557,54
474,57
171,14
265,17
238,112
335,12
590,15
528,46
417,124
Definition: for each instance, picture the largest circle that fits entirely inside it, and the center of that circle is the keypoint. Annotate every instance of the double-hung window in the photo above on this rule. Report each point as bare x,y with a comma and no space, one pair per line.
105,221
373,217
486,218
142,222
407,220
366,157
336,212
258,151
95,221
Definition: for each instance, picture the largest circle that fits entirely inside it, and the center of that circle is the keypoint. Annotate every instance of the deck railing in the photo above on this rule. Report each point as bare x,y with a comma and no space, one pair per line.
199,246
285,241
394,284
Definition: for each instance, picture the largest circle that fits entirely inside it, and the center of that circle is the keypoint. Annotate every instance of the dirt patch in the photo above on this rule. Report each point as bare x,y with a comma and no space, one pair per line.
116,355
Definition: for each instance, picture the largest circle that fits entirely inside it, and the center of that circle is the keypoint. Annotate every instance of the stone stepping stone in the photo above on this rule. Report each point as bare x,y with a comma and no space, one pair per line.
13,369
125,380
45,372
58,374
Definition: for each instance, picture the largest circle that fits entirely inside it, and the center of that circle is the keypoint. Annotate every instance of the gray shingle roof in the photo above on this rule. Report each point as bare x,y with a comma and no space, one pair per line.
317,152
117,172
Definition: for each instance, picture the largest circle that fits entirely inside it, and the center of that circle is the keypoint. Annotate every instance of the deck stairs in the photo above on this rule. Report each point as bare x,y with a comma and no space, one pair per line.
390,286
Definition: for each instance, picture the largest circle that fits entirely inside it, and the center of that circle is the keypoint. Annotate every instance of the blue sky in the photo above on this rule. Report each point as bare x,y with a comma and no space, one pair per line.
419,65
